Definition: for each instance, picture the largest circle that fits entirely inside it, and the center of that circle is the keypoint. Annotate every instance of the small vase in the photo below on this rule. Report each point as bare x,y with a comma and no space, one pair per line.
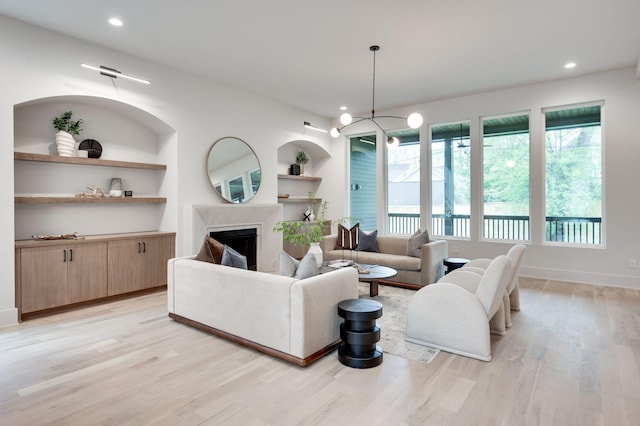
314,248
65,144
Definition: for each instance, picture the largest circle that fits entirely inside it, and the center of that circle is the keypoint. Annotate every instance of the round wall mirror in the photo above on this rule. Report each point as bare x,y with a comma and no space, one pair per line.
233,169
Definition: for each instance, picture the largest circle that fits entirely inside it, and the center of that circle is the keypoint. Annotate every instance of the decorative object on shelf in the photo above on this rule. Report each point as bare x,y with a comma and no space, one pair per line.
307,215
73,236
96,192
116,187
128,193
294,170
66,127
304,232
414,120
92,146
301,159
81,153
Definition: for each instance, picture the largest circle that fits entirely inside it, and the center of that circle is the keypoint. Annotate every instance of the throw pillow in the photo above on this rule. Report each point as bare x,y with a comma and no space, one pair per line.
367,241
416,241
307,267
299,269
347,238
211,251
288,264
232,258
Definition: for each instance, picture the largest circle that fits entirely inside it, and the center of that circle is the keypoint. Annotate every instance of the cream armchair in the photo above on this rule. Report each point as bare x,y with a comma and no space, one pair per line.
448,317
511,299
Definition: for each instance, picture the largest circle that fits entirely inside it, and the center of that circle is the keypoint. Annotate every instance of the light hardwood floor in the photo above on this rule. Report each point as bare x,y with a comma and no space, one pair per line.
571,358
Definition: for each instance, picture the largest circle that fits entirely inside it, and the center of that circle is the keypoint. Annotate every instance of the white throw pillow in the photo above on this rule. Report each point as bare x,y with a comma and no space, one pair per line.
299,269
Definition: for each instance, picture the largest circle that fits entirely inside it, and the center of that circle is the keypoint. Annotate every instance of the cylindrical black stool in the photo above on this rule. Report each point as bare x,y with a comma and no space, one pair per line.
360,333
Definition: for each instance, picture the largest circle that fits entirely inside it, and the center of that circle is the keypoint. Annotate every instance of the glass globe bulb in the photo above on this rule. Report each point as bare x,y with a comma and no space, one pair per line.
393,142
334,132
346,119
414,120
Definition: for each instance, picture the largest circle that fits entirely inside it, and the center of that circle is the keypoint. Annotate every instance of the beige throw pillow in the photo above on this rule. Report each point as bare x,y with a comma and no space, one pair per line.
416,241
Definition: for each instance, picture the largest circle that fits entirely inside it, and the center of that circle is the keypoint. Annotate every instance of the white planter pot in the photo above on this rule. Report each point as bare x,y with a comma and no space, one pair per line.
314,248
65,144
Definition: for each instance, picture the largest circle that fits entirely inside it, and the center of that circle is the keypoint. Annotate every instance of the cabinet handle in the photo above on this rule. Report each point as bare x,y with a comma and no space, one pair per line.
70,255
139,248
64,255
144,247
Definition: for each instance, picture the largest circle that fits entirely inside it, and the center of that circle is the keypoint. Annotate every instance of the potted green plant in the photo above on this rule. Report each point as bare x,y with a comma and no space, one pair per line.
64,137
301,159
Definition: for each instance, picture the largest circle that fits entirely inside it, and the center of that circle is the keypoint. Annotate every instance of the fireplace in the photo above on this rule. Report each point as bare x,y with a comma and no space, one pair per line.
201,220
244,241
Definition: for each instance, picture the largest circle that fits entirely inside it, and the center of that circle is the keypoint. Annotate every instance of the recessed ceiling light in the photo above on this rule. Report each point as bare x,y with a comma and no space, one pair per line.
570,65
343,108
116,22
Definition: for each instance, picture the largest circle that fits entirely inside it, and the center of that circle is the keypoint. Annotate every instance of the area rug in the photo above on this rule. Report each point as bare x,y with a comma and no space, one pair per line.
392,323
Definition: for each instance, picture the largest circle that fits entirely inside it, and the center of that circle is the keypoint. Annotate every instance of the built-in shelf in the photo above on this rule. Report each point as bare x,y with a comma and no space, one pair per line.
87,200
299,200
300,177
43,158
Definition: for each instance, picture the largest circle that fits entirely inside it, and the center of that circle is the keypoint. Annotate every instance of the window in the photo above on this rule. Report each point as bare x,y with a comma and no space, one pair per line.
450,179
573,174
506,177
363,181
403,183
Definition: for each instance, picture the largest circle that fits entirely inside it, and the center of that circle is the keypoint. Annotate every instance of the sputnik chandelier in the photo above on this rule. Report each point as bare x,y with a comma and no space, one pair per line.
414,120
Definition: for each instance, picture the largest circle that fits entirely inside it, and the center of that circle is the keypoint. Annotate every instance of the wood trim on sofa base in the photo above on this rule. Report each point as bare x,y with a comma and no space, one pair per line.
401,284
301,362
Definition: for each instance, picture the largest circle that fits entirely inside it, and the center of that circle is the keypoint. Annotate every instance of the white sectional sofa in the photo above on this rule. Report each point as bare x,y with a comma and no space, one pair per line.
392,252
295,320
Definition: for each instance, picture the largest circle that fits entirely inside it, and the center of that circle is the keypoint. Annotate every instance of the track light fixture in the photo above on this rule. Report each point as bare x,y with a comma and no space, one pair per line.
414,120
312,127
113,73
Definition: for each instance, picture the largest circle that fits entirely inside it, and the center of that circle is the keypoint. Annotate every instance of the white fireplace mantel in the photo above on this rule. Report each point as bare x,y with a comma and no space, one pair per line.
224,217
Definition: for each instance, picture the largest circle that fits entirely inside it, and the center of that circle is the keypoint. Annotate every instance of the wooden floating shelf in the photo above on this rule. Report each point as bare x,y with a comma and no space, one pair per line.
299,200
296,177
43,158
89,200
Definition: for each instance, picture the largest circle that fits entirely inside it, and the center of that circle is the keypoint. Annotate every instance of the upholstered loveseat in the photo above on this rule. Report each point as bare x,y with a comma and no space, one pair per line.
392,252
295,320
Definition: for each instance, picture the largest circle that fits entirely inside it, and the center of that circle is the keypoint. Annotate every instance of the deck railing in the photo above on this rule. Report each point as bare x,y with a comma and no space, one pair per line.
579,230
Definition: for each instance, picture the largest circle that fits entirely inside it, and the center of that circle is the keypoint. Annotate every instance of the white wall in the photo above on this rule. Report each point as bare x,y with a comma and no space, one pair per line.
39,64
620,91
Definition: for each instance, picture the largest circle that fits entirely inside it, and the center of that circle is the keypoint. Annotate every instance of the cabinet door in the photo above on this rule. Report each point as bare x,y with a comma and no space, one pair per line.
43,277
158,251
126,266
87,272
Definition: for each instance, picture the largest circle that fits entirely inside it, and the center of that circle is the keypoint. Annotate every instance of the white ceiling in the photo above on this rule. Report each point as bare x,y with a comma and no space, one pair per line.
315,55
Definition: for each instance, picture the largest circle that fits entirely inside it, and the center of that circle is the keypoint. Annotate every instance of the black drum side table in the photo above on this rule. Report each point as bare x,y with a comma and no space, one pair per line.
360,333
453,263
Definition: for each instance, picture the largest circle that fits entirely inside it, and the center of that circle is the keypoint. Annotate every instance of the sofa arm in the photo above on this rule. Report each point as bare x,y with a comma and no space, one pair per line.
432,255
171,281
328,243
315,323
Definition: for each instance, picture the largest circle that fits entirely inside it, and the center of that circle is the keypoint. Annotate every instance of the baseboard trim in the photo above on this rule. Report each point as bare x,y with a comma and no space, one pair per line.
592,278
300,362
9,317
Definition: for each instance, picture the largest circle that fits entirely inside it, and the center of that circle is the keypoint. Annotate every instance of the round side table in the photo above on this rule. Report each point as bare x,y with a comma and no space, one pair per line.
453,263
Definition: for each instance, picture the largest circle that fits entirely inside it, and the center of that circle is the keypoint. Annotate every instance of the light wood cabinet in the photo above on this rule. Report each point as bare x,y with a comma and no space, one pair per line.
138,263
62,274
58,273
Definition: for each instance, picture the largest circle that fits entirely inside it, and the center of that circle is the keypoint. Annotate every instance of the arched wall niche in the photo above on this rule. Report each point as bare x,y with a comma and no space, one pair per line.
126,133
287,155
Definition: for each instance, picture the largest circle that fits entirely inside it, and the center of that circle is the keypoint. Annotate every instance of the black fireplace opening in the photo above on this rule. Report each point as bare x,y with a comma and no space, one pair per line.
244,241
